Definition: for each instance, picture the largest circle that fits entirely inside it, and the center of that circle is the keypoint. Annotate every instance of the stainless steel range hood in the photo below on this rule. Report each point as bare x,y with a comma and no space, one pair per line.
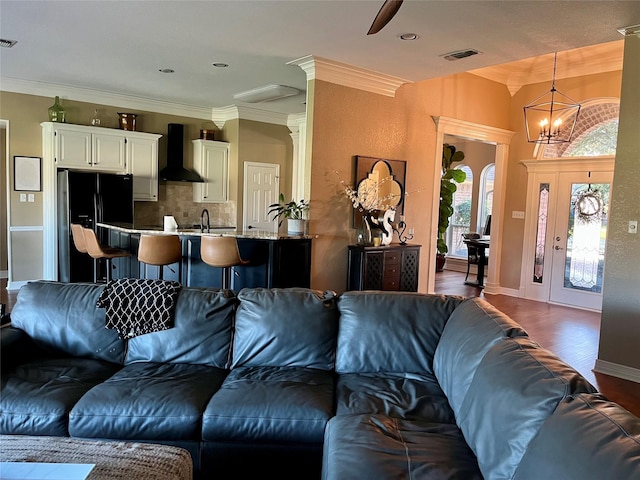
175,171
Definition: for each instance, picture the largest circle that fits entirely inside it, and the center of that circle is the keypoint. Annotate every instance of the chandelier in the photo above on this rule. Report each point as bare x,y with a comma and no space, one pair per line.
551,118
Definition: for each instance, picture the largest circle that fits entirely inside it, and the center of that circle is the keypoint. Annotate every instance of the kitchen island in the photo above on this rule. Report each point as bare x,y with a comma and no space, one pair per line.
275,261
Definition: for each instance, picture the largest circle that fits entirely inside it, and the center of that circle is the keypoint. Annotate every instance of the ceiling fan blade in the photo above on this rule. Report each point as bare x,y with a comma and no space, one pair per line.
387,11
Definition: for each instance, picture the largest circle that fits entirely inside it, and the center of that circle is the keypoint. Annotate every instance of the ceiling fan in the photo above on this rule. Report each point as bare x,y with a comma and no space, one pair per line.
387,11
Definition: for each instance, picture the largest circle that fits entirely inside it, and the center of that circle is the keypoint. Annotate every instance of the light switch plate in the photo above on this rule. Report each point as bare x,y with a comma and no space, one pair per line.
517,214
32,198
23,197
633,226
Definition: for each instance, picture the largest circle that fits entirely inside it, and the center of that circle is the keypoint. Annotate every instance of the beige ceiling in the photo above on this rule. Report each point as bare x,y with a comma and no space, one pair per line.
118,47
606,57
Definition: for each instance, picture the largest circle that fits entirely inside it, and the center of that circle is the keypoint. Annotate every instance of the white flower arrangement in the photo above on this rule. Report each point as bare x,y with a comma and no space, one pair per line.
367,196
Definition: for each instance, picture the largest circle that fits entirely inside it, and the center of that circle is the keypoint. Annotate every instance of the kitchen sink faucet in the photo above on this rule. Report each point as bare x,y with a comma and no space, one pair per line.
204,227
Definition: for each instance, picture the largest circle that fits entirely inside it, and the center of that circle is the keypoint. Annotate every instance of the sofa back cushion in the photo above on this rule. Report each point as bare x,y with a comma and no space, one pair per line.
516,387
586,437
390,331
201,332
290,327
473,328
64,317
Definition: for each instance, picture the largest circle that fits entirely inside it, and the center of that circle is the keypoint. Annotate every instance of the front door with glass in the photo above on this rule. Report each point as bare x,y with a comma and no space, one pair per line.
579,239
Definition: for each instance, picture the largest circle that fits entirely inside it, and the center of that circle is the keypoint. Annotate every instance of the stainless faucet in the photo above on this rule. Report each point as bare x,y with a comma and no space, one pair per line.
204,227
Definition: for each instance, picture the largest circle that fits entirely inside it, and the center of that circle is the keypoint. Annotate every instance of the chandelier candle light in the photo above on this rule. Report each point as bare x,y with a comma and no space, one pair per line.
553,113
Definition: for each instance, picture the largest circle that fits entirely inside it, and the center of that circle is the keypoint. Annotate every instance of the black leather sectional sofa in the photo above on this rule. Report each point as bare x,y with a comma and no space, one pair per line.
294,383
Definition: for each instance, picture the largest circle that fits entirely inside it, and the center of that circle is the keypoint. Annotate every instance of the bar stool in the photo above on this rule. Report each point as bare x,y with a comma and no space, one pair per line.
98,251
221,252
160,250
78,238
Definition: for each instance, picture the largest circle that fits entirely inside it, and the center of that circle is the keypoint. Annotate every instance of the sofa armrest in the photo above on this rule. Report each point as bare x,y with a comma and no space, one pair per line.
15,347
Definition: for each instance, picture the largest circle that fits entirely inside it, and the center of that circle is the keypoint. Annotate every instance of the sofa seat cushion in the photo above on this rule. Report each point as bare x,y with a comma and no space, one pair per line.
288,327
201,332
395,395
390,331
586,437
270,404
516,387
147,401
376,446
36,397
63,317
473,328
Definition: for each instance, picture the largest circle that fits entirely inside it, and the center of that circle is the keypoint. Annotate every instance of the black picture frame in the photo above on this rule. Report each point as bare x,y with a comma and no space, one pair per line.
27,174
364,166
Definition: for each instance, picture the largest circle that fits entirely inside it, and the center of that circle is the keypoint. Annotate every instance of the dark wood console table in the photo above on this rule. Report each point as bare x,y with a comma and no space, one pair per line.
391,268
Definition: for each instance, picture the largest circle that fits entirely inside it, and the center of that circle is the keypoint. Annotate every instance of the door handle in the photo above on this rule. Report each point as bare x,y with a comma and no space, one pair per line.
558,248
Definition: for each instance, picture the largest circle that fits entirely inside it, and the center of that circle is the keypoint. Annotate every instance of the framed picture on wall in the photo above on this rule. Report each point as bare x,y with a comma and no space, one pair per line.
27,174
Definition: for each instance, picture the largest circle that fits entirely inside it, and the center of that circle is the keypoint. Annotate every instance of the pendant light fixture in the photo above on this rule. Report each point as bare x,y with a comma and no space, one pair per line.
551,118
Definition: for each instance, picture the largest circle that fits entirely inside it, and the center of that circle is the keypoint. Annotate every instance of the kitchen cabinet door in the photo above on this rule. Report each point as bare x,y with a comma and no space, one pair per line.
211,161
72,148
108,152
142,162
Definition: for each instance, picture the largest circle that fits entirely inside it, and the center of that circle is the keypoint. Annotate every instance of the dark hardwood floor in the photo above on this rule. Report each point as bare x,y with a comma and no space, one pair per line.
570,333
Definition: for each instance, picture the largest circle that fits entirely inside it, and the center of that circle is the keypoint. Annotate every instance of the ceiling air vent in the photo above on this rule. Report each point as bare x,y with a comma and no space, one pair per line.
7,43
460,54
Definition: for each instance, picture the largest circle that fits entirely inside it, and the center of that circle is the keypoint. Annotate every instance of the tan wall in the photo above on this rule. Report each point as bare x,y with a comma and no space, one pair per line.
579,89
620,328
264,143
348,122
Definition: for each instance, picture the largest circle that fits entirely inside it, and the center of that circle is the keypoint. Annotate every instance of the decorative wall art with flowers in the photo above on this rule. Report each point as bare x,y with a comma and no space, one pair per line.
377,197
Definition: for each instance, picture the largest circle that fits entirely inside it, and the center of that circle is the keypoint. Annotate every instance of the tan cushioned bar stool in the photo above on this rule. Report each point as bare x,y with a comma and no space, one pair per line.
160,250
97,252
221,252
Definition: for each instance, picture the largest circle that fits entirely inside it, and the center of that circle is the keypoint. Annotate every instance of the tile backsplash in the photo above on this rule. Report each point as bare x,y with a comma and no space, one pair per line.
176,198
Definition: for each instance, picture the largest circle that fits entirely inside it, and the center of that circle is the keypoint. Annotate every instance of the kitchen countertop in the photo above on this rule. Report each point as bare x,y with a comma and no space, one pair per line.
214,230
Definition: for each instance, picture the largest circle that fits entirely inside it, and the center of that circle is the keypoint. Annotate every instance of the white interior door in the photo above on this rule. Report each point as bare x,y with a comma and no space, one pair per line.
579,239
261,187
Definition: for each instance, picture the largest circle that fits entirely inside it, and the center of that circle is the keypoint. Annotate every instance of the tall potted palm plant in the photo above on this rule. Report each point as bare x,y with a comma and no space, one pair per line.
450,177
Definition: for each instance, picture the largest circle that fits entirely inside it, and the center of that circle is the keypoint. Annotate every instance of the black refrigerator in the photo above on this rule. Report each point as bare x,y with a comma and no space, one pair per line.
88,198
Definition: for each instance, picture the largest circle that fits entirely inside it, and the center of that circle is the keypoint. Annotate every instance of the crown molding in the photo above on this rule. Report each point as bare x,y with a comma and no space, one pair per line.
103,98
335,72
295,120
220,115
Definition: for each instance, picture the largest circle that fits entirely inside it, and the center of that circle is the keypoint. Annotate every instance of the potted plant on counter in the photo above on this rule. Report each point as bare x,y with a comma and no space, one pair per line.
450,176
293,212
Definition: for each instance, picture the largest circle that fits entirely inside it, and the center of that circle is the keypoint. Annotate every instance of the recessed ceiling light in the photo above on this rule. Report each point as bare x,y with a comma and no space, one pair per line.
166,70
408,36
220,65
7,43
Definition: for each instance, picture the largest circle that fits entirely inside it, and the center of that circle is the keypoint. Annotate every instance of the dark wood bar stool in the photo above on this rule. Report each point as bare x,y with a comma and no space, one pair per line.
98,251
221,252
160,250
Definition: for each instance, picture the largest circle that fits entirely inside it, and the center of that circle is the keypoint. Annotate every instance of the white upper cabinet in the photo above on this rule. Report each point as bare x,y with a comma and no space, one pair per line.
99,149
142,162
108,151
211,162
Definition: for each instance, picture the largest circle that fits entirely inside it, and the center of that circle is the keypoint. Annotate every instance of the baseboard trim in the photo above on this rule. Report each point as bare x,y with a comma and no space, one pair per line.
4,273
617,370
